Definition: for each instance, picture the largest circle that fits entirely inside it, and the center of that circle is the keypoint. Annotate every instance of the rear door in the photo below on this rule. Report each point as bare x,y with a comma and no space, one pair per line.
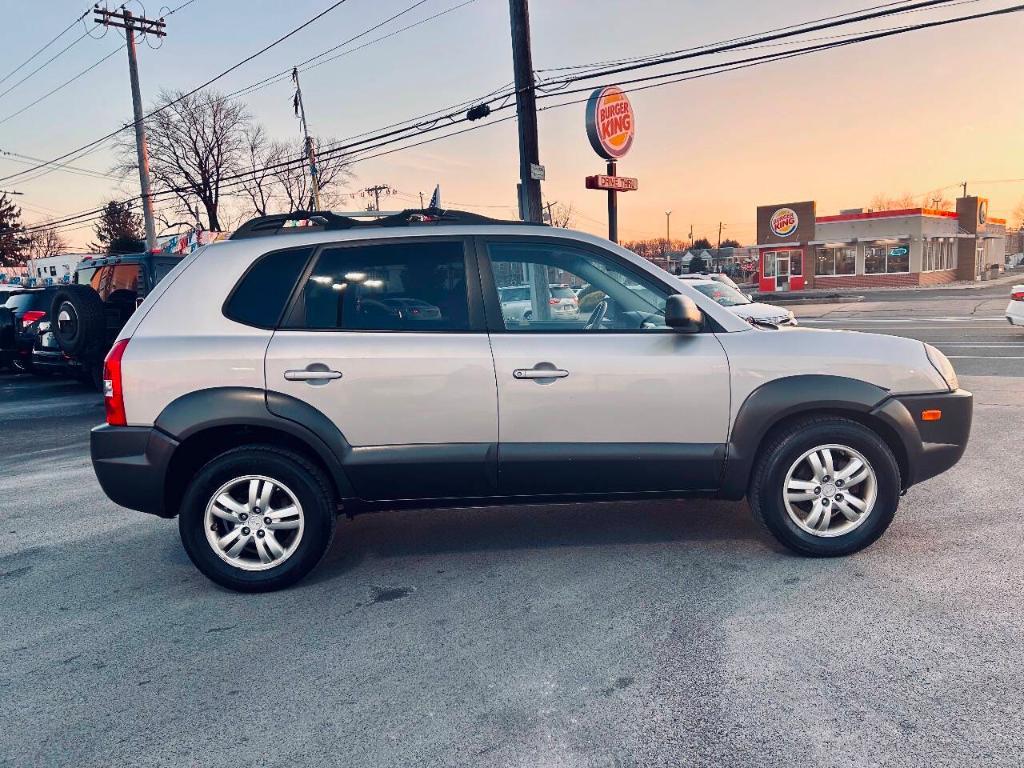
387,339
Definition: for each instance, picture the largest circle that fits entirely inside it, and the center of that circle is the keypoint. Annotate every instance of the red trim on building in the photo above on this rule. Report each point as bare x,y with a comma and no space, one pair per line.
891,214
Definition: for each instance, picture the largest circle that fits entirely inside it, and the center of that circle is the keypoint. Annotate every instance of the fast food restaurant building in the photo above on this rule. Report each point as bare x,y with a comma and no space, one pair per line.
798,249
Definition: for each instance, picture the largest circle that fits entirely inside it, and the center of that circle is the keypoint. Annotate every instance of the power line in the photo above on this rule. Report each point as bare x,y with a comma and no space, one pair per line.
285,74
54,40
198,88
694,73
47,63
63,85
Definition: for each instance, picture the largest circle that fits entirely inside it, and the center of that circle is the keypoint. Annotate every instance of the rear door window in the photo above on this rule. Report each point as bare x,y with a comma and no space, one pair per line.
260,297
412,286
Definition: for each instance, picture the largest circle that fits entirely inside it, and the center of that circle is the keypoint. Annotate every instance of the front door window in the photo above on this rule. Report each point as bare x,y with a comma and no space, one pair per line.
782,272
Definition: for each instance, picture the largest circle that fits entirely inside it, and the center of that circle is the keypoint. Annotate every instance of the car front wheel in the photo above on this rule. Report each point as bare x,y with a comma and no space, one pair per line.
256,519
826,487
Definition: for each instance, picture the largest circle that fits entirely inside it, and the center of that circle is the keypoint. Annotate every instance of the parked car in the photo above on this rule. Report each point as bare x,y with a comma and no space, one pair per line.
27,307
517,303
250,397
718,277
87,315
742,305
1015,309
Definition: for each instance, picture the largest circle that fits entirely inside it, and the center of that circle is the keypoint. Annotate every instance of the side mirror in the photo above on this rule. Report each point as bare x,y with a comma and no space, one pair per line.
682,314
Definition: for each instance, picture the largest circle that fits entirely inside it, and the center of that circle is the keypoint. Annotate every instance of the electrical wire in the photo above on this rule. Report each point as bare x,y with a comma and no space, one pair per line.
694,73
63,32
198,88
63,85
47,63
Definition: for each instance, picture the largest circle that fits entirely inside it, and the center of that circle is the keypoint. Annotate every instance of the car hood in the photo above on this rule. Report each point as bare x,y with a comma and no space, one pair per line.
893,363
760,311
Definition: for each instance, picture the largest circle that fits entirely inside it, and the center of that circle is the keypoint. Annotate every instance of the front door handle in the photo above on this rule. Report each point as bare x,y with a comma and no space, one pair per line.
315,373
537,372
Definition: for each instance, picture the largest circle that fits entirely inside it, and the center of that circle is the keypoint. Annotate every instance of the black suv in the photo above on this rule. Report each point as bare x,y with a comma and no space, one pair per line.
87,315
20,316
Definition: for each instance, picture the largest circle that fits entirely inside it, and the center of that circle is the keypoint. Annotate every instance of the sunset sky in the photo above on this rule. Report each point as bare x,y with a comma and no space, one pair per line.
909,114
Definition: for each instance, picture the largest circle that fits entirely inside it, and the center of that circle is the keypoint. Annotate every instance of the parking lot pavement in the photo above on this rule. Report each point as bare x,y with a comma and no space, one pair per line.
641,634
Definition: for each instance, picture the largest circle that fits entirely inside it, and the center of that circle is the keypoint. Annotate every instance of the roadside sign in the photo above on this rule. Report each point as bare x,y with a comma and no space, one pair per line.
611,124
614,183
536,172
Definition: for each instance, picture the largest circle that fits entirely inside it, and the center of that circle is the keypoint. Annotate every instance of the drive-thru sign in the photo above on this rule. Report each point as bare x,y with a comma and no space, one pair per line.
611,127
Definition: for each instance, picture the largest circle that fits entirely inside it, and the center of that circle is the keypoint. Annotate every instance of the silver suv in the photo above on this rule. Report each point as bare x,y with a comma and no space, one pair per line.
271,381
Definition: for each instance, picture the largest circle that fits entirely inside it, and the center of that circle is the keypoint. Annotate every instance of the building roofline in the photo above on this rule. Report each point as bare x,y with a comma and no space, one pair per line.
889,214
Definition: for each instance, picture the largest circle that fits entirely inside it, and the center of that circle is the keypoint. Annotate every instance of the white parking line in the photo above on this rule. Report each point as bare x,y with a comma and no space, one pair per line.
985,357
884,320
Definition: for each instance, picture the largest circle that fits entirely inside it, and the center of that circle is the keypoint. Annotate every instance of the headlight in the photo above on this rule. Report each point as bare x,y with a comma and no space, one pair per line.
943,366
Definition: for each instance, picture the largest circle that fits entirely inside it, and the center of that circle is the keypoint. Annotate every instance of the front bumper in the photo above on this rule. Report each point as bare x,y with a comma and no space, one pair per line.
931,447
131,465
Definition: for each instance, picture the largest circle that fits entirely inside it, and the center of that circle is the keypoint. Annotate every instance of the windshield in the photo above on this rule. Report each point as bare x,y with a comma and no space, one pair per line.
723,294
562,292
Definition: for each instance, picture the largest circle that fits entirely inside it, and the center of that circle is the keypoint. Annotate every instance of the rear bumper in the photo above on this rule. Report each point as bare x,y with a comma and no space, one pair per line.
131,465
931,447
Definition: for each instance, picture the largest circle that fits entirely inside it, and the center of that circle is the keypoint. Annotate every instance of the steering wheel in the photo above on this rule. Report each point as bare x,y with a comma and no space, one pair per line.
597,316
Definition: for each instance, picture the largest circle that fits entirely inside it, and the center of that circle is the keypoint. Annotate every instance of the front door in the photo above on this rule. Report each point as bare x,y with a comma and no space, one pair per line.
604,399
782,271
387,341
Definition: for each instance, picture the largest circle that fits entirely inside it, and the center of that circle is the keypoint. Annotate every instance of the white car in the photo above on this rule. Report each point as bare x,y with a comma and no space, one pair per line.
741,304
1015,309
517,303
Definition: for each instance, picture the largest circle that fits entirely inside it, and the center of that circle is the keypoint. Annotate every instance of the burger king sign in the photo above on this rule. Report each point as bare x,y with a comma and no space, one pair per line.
610,122
784,222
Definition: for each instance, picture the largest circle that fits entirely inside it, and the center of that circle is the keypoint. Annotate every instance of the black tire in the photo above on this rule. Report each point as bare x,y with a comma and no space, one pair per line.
308,484
83,330
768,480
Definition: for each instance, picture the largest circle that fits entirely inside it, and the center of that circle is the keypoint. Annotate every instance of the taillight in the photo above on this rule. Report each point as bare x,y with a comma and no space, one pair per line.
32,316
113,394
554,301
1017,296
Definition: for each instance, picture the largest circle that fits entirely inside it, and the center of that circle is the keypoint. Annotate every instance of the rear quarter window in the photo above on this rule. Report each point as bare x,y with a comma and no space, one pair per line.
260,296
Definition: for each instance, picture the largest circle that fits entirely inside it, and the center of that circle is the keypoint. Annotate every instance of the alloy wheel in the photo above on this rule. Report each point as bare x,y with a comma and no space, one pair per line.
830,490
254,523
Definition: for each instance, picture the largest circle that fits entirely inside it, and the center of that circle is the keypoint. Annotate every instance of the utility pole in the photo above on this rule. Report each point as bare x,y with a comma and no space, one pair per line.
131,24
965,188
691,235
300,112
526,113
719,234
668,228
421,201
376,190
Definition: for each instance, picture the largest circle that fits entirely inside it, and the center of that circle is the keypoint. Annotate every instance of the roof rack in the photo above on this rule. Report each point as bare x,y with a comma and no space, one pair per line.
278,223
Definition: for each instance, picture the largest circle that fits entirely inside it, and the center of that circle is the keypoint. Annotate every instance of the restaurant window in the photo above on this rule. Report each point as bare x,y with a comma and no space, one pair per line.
835,260
940,254
796,262
892,258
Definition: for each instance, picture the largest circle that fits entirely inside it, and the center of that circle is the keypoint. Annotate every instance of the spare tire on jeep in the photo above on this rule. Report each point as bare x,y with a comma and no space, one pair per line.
78,321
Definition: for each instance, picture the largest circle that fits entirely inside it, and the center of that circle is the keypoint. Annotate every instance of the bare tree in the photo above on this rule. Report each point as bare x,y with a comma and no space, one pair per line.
194,144
563,215
45,242
294,180
1018,215
884,202
260,182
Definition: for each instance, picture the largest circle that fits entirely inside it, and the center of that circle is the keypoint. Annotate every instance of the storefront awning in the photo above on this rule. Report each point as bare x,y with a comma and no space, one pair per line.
778,245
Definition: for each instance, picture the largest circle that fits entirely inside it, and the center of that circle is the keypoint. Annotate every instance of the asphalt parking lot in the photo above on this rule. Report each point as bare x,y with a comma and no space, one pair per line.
641,634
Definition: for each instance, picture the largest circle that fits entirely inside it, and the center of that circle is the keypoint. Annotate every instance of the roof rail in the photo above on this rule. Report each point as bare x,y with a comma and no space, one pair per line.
277,223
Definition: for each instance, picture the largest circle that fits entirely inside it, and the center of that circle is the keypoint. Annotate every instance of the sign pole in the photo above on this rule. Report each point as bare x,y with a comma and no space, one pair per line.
613,207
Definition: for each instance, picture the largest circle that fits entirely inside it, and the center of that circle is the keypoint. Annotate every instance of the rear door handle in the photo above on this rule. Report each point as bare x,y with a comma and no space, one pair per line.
313,376
539,373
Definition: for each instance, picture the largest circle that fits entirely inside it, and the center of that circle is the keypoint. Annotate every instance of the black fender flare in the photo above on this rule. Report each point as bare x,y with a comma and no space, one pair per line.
205,409
789,396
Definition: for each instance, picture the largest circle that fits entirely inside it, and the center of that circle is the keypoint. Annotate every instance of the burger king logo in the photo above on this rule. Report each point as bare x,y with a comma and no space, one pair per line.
784,222
610,122
982,211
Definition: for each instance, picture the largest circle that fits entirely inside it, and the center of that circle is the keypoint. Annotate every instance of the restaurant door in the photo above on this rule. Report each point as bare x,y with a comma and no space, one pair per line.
781,271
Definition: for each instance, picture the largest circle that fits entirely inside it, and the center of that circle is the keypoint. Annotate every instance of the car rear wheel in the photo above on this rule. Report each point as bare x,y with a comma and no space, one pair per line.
257,519
826,487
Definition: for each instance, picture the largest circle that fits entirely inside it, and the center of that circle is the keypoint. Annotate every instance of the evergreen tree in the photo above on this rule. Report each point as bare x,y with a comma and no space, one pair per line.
119,230
12,236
